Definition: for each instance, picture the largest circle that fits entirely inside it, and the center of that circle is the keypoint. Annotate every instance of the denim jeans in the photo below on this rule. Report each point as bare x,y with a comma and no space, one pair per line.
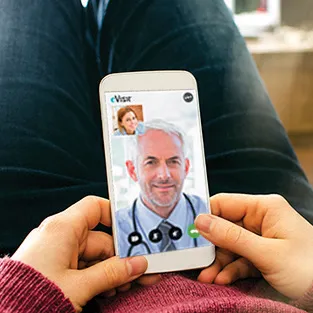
51,149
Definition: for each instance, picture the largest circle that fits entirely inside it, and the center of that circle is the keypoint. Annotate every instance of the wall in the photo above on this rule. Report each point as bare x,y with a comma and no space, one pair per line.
297,13
289,80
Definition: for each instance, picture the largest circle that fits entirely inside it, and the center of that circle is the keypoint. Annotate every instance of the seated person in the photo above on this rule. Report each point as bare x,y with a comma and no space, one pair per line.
51,149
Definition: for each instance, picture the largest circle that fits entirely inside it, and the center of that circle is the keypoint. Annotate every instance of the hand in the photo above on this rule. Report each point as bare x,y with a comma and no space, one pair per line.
266,231
227,268
80,261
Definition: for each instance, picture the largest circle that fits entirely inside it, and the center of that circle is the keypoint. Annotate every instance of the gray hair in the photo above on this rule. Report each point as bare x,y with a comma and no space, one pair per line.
162,125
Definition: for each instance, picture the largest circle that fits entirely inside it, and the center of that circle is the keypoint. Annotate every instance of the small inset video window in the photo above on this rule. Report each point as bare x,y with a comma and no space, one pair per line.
128,120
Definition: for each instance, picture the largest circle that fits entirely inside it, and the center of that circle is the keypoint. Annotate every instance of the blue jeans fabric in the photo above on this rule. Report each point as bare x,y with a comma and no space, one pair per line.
51,150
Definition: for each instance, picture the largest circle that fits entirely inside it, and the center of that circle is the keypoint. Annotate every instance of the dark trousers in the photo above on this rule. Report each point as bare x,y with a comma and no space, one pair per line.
51,149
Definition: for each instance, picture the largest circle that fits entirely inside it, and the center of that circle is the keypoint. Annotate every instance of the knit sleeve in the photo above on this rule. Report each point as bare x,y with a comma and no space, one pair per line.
305,302
24,290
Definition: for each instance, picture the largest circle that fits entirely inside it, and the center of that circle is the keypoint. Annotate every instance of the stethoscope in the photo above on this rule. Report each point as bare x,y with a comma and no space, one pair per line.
135,238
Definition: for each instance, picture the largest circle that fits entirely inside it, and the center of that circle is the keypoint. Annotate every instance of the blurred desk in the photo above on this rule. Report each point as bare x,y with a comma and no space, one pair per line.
285,62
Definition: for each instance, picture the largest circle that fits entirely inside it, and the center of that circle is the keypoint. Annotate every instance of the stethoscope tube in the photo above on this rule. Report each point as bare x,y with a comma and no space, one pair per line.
139,235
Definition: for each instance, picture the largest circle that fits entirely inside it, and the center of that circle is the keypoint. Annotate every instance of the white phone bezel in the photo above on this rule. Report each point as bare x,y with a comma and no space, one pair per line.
153,81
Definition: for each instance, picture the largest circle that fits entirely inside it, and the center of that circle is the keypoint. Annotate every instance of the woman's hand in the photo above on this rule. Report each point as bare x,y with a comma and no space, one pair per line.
267,234
80,261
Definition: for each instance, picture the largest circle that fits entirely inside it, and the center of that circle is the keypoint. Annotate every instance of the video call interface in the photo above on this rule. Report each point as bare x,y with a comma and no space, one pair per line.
157,169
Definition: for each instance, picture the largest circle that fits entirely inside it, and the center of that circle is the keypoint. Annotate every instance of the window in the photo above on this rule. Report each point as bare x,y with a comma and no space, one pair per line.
255,16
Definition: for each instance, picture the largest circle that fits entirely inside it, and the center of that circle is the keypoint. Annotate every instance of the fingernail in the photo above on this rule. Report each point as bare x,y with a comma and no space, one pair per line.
203,222
137,265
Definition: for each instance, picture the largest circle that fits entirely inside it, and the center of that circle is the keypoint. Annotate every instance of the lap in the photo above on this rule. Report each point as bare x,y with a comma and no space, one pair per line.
51,151
247,149
51,145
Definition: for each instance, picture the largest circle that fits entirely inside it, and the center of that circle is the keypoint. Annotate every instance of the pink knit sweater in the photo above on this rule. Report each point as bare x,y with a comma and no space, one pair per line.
24,290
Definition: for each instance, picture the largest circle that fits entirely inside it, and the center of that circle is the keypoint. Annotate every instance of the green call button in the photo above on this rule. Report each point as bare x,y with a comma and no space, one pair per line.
192,231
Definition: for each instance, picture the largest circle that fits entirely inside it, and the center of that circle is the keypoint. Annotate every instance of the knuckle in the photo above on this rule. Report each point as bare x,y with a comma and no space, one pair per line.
222,195
276,198
233,234
90,199
238,273
52,224
107,249
113,275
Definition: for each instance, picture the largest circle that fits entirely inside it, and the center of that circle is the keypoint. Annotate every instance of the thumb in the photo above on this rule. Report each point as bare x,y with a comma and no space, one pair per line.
111,273
232,237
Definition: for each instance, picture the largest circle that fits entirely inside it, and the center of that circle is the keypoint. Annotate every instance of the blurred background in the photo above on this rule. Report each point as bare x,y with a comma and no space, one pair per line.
279,34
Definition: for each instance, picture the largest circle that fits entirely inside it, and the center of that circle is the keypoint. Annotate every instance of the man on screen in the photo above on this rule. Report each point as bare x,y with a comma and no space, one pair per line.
161,218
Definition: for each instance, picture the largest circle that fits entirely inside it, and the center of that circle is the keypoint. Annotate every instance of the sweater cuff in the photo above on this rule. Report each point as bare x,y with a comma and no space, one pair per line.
23,289
305,302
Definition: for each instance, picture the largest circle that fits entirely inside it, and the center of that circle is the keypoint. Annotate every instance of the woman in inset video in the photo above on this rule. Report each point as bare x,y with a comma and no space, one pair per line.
128,123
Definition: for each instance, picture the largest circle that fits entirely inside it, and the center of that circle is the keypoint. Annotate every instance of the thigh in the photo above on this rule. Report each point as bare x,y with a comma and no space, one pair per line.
50,143
247,149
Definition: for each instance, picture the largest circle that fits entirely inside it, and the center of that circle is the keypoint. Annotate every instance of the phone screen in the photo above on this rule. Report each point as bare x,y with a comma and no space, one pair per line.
158,174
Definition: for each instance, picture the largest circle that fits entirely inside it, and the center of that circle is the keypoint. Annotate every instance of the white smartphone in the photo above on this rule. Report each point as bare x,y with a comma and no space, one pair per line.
156,168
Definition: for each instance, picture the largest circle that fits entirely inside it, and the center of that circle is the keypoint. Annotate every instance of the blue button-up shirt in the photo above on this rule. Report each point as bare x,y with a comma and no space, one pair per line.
147,220
140,130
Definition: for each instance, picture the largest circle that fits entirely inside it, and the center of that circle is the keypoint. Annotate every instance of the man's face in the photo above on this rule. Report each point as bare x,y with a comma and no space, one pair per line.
161,168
